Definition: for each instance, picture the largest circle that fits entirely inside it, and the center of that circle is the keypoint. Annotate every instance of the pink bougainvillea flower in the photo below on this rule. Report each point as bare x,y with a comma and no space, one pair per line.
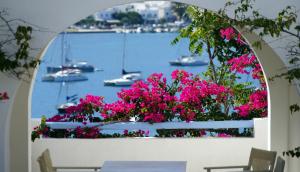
257,101
57,118
240,40
147,133
257,72
125,132
223,135
228,33
243,110
4,96
86,132
180,75
154,118
239,64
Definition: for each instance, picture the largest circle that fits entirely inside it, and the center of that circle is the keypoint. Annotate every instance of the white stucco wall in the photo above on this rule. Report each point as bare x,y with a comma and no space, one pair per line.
198,152
56,15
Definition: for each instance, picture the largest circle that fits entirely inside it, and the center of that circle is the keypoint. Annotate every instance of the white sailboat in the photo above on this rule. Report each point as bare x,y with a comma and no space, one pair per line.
68,75
128,77
83,66
65,74
67,63
188,61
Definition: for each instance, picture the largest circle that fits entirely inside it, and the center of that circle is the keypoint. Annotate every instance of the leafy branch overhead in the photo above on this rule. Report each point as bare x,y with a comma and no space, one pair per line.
293,153
284,24
15,47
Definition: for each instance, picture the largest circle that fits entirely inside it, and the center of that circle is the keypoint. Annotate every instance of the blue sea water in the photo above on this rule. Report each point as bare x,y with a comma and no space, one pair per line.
146,52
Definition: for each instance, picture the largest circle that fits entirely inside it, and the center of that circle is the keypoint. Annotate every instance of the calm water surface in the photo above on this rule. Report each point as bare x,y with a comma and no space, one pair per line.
147,52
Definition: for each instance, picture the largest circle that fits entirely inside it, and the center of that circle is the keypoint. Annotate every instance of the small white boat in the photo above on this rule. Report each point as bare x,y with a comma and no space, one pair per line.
125,80
63,107
158,30
68,75
83,66
188,61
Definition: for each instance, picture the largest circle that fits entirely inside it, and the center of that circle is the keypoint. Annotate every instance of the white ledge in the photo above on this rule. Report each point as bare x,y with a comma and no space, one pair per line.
155,126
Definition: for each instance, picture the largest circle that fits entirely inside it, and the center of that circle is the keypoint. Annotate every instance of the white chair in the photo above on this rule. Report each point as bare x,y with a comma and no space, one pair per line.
260,160
46,164
279,165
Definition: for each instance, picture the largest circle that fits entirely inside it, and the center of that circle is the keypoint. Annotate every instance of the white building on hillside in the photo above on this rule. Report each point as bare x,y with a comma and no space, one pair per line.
150,11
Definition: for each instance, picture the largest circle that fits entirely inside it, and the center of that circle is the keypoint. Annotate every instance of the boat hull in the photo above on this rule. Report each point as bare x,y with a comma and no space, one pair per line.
175,63
64,79
118,84
82,69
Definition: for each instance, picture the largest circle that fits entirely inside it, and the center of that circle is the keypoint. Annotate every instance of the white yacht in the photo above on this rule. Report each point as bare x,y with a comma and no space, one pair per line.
68,75
128,77
125,80
83,66
188,61
62,108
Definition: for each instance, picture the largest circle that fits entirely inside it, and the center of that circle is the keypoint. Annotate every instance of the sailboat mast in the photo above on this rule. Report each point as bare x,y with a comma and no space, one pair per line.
62,48
124,48
67,92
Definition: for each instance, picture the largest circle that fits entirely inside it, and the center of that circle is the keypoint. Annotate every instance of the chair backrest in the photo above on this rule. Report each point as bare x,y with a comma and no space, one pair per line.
279,165
261,160
45,162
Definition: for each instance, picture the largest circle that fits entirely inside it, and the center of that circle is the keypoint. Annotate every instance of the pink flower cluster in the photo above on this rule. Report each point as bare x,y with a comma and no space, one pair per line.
188,97
257,73
196,94
240,64
138,133
230,33
149,102
58,118
85,132
248,61
41,131
224,135
156,101
87,106
257,101
4,96
180,75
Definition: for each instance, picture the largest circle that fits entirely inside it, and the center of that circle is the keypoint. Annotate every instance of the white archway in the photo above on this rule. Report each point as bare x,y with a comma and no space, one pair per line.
57,15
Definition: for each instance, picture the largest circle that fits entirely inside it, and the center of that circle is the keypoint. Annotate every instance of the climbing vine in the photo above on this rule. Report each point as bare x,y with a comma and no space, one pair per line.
284,24
15,49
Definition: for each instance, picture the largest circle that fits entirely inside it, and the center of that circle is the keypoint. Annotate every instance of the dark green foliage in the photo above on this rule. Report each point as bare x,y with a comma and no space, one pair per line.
275,27
129,18
19,62
179,10
281,24
204,35
293,153
89,21
232,132
294,108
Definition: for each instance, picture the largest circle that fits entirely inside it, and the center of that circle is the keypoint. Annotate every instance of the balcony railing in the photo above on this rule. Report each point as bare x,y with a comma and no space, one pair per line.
119,127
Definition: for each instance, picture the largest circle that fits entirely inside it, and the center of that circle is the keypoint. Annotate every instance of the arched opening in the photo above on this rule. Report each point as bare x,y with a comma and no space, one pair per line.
268,68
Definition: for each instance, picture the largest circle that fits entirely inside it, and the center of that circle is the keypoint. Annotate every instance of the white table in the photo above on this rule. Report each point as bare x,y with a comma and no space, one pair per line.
144,166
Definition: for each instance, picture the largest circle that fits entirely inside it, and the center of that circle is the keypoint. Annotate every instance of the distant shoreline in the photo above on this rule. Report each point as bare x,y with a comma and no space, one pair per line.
113,31
90,31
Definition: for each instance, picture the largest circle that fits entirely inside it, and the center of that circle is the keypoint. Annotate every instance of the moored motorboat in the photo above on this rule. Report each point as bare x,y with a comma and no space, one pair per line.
125,80
83,66
62,109
68,75
188,61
